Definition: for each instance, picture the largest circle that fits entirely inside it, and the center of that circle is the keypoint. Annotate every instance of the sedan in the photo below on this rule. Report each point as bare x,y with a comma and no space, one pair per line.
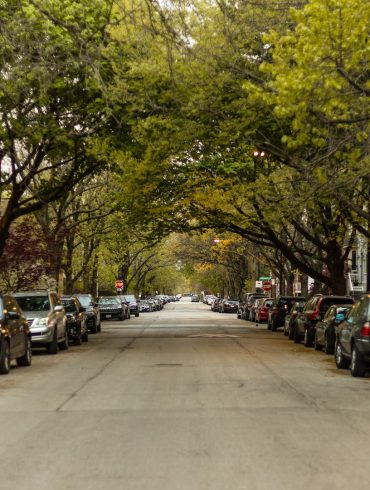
228,306
326,329
262,309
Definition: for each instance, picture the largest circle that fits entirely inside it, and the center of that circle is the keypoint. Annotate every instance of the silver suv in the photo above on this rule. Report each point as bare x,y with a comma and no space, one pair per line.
46,318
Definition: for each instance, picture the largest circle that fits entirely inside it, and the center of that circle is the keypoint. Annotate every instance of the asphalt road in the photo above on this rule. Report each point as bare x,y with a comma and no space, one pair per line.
184,399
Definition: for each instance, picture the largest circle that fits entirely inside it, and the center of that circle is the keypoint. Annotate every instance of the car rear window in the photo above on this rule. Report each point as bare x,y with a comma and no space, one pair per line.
327,302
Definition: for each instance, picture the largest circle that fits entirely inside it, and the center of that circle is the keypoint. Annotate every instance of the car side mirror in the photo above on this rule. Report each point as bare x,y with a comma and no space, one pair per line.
81,309
58,308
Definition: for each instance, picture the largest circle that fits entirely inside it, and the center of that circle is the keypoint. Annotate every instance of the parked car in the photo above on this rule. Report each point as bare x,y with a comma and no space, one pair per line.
92,311
326,329
246,304
145,306
132,301
291,316
76,320
215,304
279,308
46,318
195,298
262,309
15,336
352,346
314,311
110,307
210,298
126,307
228,306
252,310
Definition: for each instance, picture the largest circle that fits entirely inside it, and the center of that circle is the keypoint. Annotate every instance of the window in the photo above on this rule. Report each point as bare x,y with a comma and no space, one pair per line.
34,303
354,260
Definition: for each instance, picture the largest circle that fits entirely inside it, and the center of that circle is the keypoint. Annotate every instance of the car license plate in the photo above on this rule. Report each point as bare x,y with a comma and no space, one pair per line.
108,316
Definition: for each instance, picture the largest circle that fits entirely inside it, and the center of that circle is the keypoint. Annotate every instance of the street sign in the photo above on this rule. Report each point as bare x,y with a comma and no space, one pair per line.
267,286
259,284
267,278
118,284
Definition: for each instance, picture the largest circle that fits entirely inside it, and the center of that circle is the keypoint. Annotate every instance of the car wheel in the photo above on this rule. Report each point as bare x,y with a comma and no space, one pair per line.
340,361
328,346
64,344
137,314
296,336
52,348
316,345
358,366
78,338
94,328
307,341
85,336
274,325
4,357
26,359
268,325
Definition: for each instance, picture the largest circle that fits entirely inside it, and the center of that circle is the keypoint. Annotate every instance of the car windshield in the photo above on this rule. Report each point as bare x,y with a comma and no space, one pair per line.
109,300
69,305
85,301
33,303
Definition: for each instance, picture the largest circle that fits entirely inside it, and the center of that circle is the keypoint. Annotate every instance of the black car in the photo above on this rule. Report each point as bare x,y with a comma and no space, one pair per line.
76,320
134,305
110,307
15,337
314,311
325,330
352,346
228,306
280,307
92,312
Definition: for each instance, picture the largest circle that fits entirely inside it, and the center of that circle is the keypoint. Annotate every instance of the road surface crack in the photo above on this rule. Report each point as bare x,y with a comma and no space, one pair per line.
95,375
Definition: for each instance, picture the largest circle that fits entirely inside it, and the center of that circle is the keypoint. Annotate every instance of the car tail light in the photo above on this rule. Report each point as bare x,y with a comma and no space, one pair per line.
314,315
365,330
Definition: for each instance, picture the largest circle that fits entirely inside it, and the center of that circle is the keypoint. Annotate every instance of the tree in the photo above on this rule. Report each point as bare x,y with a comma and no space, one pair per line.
51,106
292,199
26,261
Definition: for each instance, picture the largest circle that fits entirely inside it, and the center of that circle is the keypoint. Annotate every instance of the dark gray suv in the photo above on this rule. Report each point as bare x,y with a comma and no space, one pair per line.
352,346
